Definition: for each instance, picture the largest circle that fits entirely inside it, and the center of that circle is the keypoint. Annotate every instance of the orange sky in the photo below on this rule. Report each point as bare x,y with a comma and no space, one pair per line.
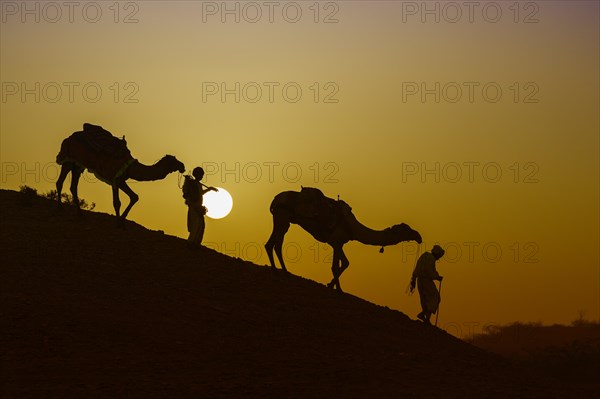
480,131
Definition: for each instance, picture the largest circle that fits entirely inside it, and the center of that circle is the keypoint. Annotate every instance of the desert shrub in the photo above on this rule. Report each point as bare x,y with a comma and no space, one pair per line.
27,195
68,199
29,191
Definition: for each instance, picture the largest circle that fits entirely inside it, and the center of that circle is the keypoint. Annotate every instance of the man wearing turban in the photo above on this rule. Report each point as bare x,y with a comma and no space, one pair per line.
423,277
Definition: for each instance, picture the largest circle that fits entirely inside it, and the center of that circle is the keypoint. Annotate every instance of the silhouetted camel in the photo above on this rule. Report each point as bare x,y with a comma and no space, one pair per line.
109,159
328,221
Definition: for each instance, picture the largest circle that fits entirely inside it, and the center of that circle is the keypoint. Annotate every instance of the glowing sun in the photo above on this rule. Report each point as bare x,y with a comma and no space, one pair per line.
218,203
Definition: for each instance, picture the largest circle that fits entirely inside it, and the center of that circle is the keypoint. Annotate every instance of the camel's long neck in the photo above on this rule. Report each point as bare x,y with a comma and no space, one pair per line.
141,172
365,235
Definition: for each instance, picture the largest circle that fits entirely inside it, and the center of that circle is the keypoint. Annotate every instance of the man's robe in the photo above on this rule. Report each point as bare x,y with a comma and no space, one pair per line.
425,273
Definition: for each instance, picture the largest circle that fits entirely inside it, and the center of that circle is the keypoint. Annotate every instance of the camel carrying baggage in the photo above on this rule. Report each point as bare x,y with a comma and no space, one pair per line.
97,150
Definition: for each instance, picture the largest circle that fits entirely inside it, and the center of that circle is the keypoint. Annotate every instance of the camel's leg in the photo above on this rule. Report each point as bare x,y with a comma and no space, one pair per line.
75,175
64,171
270,244
345,263
276,242
340,263
133,198
335,266
116,200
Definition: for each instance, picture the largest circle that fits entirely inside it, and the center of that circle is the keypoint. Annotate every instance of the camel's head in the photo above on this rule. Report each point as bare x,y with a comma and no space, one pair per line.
173,164
406,233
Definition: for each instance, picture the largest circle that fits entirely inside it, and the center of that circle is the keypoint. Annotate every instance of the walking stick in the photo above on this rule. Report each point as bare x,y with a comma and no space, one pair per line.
437,314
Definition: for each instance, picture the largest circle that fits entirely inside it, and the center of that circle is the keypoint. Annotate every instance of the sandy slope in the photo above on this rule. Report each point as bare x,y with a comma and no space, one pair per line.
89,310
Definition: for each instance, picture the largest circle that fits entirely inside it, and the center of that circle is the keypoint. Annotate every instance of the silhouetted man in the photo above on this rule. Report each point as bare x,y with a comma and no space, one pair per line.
193,192
423,277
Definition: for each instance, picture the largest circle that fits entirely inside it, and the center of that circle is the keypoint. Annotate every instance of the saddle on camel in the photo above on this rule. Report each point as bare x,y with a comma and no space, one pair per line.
313,205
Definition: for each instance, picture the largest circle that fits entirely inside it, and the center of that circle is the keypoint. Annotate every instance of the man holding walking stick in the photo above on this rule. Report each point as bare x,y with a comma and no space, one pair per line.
423,278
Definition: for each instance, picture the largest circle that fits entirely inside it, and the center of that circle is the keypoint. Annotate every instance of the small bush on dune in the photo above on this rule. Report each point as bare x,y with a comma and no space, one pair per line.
29,191
68,199
28,194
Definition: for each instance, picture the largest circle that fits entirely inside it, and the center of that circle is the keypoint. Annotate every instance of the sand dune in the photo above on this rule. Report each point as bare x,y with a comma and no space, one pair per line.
89,310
